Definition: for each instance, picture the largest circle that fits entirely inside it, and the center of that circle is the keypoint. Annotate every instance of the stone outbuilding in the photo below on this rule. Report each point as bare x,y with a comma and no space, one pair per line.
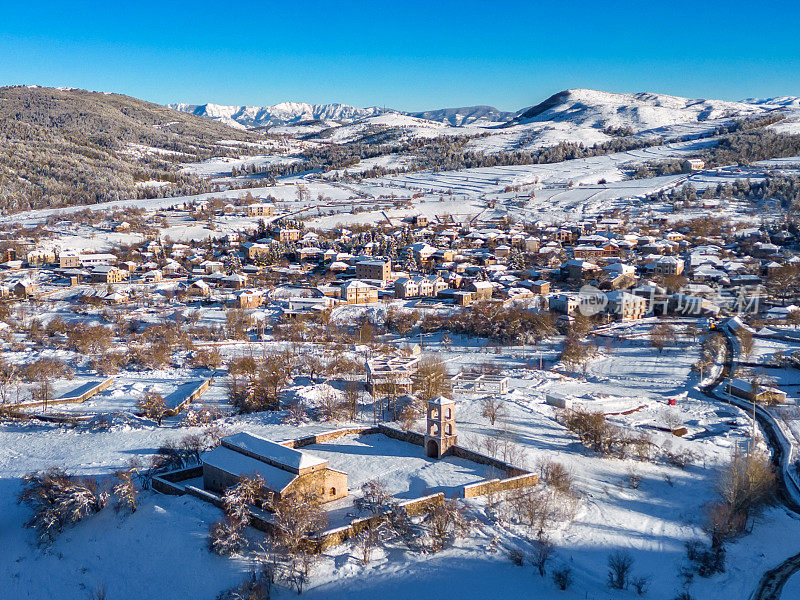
283,469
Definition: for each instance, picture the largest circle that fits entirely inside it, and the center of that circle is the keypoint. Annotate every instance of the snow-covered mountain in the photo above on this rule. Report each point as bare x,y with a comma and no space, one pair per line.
640,111
284,113
466,115
289,113
576,115
778,101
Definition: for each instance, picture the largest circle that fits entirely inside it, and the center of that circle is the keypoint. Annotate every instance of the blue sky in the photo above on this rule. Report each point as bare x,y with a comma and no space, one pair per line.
410,55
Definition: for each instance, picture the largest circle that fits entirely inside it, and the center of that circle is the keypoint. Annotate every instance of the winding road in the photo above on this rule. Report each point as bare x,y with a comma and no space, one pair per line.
771,585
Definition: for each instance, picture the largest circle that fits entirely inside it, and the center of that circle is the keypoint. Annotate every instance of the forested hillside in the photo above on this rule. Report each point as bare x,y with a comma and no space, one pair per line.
64,147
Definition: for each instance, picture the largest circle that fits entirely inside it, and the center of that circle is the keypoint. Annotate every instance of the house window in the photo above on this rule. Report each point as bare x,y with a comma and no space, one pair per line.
333,491
447,414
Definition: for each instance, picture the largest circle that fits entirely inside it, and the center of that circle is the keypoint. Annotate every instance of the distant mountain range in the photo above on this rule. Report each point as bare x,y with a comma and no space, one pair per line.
285,113
583,107
290,113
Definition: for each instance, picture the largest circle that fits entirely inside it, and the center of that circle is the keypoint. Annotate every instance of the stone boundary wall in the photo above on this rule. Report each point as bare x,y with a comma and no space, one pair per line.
167,483
70,399
334,537
411,437
198,391
482,459
499,485
210,497
327,436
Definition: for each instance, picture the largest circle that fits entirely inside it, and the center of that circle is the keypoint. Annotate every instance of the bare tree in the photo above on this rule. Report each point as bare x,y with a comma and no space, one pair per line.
444,522
542,553
620,563
370,538
492,408
746,342
152,406
431,379
661,336
352,393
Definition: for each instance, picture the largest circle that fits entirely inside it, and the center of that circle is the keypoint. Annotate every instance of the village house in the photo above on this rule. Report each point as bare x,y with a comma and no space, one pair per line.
24,288
482,290
108,274
69,260
668,265
761,394
421,251
693,164
256,250
93,260
260,209
578,269
565,304
284,470
212,266
37,258
359,292
285,234
375,270
198,288
236,281
625,306
540,286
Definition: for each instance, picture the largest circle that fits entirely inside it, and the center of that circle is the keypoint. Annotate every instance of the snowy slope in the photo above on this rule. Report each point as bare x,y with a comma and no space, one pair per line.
599,109
402,125
467,115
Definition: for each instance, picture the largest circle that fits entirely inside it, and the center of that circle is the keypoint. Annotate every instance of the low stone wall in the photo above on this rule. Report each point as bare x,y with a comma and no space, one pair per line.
80,398
410,437
327,436
210,497
198,391
482,459
516,478
500,485
167,483
334,537
167,487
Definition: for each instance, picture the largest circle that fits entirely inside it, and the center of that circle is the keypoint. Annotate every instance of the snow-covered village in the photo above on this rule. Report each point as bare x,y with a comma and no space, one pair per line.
256,351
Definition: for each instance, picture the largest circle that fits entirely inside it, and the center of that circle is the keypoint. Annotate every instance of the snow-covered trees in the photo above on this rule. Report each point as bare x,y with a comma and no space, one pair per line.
125,490
743,488
153,406
58,500
255,384
375,497
227,535
446,522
